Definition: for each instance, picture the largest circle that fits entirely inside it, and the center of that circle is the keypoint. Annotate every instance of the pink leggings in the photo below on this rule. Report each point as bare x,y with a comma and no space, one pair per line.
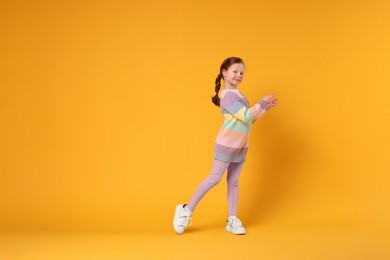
219,168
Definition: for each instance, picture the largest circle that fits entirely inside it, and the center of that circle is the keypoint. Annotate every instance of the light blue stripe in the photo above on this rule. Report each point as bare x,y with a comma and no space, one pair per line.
237,126
227,158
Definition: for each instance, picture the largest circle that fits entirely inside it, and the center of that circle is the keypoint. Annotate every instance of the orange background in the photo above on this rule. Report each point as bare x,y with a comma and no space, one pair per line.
107,123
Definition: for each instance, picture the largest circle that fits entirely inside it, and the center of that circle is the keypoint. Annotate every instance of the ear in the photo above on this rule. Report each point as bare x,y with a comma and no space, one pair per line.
224,72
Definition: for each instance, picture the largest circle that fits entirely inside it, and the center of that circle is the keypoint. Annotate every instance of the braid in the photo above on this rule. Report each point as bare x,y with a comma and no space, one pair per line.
215,99
224,67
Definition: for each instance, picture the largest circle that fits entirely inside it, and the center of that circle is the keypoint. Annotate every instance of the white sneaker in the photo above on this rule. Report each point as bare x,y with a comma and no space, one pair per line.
182,219
235,226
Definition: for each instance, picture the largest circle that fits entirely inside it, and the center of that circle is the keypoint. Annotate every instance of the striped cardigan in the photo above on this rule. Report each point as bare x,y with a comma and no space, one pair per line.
231,144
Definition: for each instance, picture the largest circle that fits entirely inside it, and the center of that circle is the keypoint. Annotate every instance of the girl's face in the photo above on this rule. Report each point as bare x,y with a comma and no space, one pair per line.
234,75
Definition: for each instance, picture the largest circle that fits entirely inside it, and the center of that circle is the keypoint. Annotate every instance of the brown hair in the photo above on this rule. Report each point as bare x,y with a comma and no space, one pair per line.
224,66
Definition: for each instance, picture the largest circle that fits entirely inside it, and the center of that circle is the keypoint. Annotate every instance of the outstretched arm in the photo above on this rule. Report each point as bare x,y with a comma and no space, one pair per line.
234,106
262,106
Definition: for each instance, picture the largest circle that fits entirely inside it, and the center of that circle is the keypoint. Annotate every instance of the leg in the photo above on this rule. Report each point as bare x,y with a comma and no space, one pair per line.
233,175
213,179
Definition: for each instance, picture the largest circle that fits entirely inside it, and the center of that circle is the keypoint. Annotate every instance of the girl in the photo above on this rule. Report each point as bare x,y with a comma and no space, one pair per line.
231,144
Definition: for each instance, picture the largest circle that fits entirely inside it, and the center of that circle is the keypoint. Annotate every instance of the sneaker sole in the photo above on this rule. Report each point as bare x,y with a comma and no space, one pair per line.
229,229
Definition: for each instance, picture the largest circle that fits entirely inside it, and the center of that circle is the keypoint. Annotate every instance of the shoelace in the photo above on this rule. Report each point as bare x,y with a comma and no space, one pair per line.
236,223
185,221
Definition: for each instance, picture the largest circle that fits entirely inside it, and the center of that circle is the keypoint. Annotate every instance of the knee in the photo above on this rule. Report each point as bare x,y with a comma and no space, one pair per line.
232,182
214,180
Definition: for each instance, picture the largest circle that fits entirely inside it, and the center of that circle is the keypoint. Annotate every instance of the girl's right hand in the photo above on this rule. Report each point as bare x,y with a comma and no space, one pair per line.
270,99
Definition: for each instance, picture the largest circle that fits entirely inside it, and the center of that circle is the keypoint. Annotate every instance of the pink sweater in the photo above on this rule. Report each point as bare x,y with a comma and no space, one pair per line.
231,144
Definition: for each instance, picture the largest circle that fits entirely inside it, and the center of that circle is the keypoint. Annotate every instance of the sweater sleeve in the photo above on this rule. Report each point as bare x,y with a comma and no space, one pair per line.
259,109
232,103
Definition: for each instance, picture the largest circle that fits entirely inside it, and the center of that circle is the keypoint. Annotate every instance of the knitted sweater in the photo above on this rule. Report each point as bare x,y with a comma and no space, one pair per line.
231,144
